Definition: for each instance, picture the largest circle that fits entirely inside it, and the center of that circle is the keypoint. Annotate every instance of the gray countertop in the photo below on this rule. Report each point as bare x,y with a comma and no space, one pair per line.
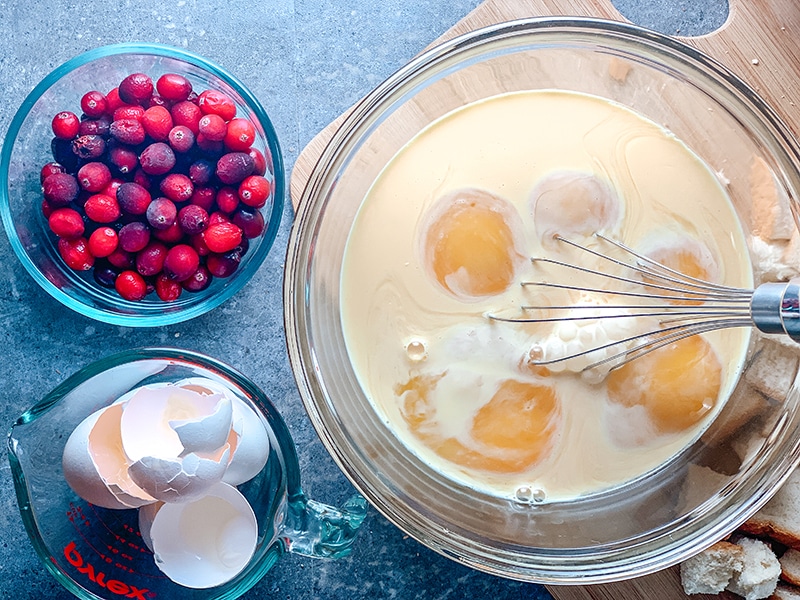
307,61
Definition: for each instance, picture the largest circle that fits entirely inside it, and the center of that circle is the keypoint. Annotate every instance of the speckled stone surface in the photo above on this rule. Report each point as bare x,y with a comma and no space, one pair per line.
306,60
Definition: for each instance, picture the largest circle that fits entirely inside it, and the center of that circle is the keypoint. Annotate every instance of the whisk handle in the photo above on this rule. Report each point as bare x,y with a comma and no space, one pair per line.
775,308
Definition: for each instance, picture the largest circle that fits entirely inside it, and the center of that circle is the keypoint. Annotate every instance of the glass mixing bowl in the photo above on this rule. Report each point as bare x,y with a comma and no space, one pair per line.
27,148
691,501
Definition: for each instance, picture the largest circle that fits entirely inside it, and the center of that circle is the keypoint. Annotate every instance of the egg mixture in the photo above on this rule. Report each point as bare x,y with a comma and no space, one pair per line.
443,242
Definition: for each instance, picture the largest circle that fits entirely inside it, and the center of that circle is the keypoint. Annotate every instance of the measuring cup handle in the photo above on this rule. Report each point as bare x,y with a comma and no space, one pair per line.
321,531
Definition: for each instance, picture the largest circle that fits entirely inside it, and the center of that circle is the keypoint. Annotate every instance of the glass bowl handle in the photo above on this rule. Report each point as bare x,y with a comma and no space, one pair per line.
321,531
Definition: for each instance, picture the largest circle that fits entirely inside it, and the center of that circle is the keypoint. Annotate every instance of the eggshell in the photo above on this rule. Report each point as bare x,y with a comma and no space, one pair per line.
252,450
206,542
146,515
180,479
95,465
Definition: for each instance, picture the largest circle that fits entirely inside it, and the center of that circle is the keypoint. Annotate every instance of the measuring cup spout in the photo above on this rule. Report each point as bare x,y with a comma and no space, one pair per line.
321,531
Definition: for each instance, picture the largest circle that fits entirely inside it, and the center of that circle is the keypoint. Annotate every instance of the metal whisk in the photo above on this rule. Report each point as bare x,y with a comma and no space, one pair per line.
684,305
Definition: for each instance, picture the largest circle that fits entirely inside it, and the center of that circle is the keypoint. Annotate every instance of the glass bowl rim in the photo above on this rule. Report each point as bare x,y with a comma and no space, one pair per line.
233,283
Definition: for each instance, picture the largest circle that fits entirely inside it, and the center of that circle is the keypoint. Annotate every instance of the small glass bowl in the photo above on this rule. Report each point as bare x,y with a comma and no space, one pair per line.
27,149
699,496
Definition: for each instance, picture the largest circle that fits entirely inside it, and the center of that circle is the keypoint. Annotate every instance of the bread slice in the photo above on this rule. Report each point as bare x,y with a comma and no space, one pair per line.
785,592
773,369
760,572
790,566
710,571
779,519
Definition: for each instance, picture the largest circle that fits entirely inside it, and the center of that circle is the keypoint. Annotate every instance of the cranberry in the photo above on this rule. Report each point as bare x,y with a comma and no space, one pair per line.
213,127
60,189
200,172
66,125
50,168
99,126
254,191
177,187
94,176
150,259
203,197
135,88
181,138
89,147
170,235
167,289
75,253
218,103
199,244
133,198
188,114
223,265
103,242
63,154
240,135
47,209
157,122
157,159
222,237
217,217
66,223
123,158
251,222
112,187
131,286
209,146
128,131
122,259
142,178
113,101
197,281
182,260
259,161
174,87
129,113
105,275
93,104
162,213
134,236
233,167
193,219
102,209
227,199
157,100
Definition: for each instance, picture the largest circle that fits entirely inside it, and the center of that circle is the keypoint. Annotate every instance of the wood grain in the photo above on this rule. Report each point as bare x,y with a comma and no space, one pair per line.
759,42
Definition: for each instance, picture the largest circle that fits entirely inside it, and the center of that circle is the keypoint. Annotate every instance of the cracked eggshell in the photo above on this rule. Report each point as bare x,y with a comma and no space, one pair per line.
252,450
95,466
206,542
147,514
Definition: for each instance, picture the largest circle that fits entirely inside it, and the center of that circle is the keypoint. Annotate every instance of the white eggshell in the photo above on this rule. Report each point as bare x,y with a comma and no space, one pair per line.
180,479
146,515
95,466
210,432
252,448
206,542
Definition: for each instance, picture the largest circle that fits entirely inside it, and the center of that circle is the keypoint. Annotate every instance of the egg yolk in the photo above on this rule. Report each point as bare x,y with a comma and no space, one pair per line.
688,260
677,384
510,433
469,243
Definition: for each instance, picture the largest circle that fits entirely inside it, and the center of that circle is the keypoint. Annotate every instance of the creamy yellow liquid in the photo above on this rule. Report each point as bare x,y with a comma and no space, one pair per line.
430,359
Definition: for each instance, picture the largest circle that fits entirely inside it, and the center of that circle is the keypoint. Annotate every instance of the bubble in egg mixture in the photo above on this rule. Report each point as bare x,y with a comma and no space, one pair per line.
416,350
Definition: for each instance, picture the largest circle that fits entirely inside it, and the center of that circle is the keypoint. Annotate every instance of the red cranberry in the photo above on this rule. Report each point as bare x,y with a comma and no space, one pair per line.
103,242
197,281
217,217
134,236
233,167
188,114
122,259
75,253
157,122
240,135
181,138
174,87
182,260
199,244
223,265
94,176
50,168
101,208
128,131
200,172
135,88
93,104
167,289
251,222
222,237
209,146
161,213
113,101
218,103
170,235
150,259
66,125
142,178
99,126
259,161
157,159
255,190
112,187
123,158
66,223
89,147
177,187
133,198
193,219
131,286
60,189
129,113
213,127
203,197
227,199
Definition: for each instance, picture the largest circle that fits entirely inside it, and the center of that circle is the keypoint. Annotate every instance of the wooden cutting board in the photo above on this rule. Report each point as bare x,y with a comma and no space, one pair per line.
760,42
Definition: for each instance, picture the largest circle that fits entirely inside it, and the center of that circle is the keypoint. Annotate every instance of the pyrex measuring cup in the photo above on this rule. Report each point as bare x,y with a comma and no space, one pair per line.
99,553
